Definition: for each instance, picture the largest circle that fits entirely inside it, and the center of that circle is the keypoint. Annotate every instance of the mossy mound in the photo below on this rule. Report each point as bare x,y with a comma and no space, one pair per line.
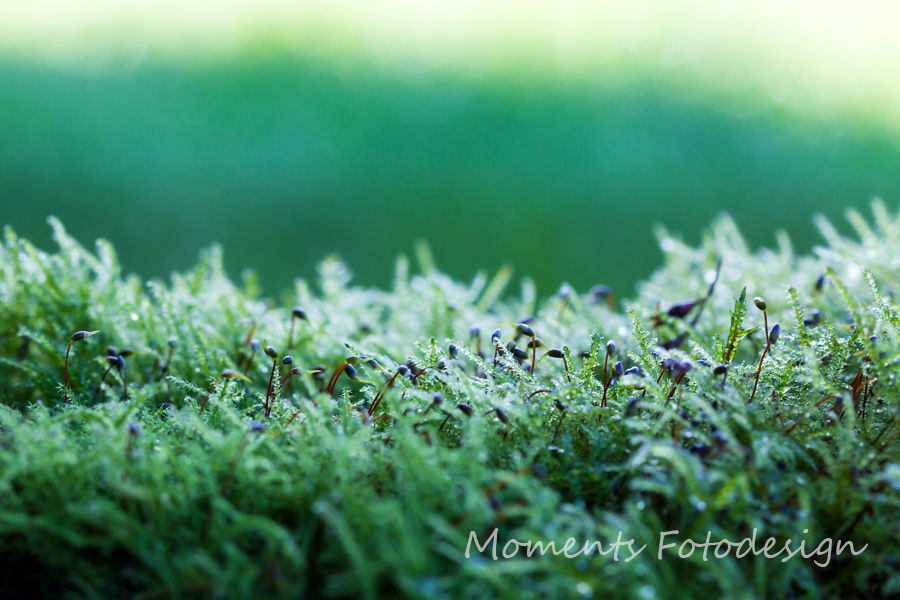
200,479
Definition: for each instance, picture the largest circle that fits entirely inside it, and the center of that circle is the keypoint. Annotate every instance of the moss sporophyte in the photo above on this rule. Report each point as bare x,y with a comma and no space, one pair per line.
76,337
224,468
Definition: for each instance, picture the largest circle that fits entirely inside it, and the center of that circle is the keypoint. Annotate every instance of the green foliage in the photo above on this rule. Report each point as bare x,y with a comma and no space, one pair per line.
735,333
152,497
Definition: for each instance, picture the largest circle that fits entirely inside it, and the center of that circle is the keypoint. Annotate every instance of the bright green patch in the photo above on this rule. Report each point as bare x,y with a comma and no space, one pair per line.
185,489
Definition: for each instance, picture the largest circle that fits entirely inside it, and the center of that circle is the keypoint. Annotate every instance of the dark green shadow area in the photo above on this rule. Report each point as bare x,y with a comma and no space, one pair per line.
283,161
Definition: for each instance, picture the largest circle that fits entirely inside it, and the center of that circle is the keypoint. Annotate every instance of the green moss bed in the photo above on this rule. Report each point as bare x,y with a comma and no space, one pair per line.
651,415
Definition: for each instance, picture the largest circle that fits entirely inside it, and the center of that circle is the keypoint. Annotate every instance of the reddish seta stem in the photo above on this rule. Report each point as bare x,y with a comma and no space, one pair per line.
66,375
380,396
558,425
605,384
334,378
762,358
533,354
290,343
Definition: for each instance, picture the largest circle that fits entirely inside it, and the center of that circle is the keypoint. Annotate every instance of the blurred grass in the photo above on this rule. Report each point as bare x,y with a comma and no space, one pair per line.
284,159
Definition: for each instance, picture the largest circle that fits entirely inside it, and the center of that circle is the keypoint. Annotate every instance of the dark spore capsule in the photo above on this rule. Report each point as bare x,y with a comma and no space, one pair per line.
172,340
618,369
564,292
559,405
23,348
600,291
540,471
452,351
437,399
525,330
299,313
760,303
287,360
720,370
257,425
680,311
495,337
611,347
501,414
474,332
774,333
402,371
700,449
632,406
351,371
820,283
465,409
126,352
815,317
555,353
413,368
519,353
633,371
271,352
112,351
680,369
133,428
254,344
674,342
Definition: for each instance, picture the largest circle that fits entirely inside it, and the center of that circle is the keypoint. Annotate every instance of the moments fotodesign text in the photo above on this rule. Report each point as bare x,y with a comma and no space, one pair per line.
771,549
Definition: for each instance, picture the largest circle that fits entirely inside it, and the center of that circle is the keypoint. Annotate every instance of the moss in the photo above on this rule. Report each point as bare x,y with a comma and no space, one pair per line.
152,497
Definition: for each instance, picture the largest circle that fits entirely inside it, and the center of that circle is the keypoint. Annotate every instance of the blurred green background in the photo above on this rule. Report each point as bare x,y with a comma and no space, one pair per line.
284,156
